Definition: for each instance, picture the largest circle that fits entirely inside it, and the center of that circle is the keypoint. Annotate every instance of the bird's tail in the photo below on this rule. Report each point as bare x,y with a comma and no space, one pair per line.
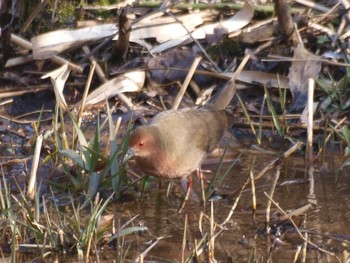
223,97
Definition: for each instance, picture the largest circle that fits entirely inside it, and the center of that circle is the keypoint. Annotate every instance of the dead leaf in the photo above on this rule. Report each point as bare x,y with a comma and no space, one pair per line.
305,66
129,82
238,21
58,79
161,66
165,28
50,44
261,78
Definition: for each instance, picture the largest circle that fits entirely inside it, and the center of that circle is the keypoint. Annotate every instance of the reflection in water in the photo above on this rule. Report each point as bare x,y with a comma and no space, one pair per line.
327,224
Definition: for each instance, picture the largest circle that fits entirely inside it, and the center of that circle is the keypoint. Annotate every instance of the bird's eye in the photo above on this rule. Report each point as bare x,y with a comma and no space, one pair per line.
141,143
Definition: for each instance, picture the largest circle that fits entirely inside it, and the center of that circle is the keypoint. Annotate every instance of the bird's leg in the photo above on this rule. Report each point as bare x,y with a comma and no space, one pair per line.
189,187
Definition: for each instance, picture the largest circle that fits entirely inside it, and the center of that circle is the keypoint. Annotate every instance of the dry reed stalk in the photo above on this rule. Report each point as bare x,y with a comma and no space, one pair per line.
268,206
309,148
186,83
33,172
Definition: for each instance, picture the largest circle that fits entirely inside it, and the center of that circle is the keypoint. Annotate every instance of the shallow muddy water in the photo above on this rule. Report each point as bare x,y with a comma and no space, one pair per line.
327,224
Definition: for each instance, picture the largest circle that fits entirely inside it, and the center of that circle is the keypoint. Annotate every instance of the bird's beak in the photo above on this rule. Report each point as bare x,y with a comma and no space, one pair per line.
129,154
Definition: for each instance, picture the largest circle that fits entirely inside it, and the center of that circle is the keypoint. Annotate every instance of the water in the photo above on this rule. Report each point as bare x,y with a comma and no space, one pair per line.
244,237
327,223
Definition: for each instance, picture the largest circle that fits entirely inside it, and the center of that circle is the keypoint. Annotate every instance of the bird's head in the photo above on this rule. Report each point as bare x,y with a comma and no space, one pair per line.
143,143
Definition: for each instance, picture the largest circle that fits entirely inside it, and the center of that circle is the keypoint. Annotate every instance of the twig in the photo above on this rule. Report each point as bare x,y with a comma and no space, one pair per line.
104,79
30,19
197,43
268,206
86,91
186,82
329,136
274,162
235,203
287,59
298,231
28,45
313,5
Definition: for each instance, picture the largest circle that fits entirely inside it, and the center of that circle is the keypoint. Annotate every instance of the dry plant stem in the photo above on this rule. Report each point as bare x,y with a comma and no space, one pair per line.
189,187
121,46
240,67
14,161
268,205
27,45
199,247
212,234
54,11
87,256
296,212
303,259
184,241
96,49
35,13
252,182
263,47
309,148
297,35
269,126
186,6
23,121
276,161
33,172
284,19
86,91
144,253
346,5
310,103
15,132
322,28
186,82
197,43
200,225
200,220
18,91
340,29
298,231
117,126
202,186
313,5
296,255
103,78
12,62
234,204
325,15
287,59
329,136
63,129
211,243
